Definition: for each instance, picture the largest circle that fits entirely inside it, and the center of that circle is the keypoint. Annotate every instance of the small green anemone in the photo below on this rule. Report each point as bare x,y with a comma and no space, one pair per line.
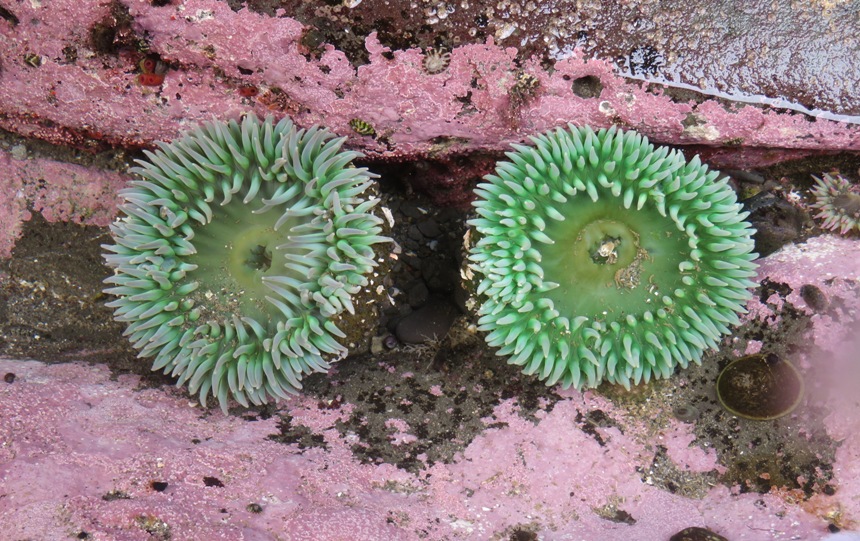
838,203
240,247
600,257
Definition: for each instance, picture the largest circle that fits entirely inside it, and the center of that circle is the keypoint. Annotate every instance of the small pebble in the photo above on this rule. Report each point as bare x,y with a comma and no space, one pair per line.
429,228
430,322
415,233
687,414
19,152
376,345
418,294
390,341
411,211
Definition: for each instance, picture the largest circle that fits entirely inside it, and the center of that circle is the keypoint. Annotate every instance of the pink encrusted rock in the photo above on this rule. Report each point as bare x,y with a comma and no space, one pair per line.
74,99
71,92
59,191
681,448
399,432
81,451
829,262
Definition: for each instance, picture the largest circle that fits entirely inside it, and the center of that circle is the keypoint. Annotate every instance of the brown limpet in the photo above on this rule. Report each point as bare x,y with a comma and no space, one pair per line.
696,533
760,387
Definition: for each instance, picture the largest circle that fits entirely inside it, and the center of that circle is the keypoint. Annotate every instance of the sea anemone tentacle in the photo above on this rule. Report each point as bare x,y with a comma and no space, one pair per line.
239,246
600,257
838,204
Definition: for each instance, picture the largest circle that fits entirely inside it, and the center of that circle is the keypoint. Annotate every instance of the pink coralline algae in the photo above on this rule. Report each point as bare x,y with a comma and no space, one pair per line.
467,104
84,451
59,191
829,263
79,95
87,453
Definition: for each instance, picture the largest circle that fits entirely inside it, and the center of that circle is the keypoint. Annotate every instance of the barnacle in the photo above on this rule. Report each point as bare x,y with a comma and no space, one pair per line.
436,61
599,257
33,60
838,203
240,247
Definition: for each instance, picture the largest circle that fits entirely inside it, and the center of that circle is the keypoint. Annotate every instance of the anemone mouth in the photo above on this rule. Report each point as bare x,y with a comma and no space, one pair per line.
238,252
239,248
608,263
602,258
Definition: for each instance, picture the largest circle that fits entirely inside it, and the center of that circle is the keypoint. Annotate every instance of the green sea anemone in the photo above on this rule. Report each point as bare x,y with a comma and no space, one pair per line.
601,257
240,247
838,203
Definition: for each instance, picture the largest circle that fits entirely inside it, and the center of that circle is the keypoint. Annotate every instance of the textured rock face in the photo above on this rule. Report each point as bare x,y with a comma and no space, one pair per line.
418,441
800,52
59,191
387,448
70,74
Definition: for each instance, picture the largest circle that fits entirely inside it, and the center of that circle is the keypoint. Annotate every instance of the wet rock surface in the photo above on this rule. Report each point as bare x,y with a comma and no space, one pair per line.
375,435
413,412
51,304
776,221
801,52
431,388
793,453
429,323
73,72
